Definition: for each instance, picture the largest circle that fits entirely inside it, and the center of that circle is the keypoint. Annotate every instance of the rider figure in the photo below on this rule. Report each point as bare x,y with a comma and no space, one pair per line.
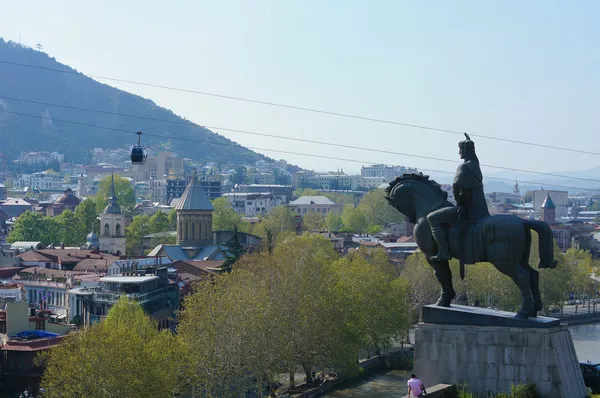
468,193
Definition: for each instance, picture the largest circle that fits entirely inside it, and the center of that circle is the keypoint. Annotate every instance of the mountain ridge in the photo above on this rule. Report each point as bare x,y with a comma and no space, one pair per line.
44,130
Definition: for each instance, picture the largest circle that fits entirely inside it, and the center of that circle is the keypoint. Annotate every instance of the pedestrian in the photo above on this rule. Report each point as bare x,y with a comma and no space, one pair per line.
415,386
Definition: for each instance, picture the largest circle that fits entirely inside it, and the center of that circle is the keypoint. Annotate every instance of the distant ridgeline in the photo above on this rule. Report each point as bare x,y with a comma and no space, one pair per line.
18,132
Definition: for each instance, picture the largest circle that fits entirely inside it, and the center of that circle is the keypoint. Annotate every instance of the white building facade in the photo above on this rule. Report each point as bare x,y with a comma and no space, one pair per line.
41,180
315,204
385,171
252,204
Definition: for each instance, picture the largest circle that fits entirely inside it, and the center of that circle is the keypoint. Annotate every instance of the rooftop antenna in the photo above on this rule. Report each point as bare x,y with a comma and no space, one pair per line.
39,46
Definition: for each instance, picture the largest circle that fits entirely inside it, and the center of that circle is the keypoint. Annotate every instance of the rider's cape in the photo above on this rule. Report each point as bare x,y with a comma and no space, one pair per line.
468,191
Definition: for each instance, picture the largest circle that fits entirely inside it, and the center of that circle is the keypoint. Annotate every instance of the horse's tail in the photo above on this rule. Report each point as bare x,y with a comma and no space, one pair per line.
546,242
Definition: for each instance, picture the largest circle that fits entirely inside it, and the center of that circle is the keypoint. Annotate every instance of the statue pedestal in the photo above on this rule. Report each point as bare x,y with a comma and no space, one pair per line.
492,358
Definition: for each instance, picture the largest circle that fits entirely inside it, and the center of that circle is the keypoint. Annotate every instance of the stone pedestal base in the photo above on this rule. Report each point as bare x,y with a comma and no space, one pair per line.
492,358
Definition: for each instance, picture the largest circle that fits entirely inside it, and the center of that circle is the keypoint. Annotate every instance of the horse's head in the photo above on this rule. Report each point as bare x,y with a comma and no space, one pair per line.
415,195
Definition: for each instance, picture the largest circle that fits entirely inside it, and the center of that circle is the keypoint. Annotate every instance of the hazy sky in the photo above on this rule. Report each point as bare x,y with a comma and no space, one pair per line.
513,69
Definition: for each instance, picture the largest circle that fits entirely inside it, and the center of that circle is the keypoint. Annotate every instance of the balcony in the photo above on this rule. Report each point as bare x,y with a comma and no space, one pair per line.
141,298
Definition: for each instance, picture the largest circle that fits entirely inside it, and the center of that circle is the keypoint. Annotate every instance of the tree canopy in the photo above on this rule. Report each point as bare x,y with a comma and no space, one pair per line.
225,218
124,356
123,189
297,305
66,228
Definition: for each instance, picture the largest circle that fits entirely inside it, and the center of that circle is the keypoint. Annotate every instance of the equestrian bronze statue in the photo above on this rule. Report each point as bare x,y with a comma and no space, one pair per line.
467,232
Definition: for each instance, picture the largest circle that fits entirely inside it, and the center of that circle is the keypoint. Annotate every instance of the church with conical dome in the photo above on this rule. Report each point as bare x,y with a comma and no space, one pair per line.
194,216
196,239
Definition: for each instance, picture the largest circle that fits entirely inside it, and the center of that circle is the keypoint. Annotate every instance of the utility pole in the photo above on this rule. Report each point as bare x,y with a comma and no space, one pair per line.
39,46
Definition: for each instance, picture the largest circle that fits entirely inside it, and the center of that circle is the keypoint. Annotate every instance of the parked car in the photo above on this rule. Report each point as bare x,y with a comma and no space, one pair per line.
591,375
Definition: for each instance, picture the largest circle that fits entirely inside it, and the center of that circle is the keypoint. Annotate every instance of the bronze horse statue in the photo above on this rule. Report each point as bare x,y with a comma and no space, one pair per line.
503,240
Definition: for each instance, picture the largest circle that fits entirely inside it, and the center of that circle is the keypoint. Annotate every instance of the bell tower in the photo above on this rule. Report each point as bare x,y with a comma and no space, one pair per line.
548,211
112,225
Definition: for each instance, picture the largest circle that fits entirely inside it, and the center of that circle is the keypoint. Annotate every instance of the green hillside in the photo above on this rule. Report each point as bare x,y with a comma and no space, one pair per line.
19,132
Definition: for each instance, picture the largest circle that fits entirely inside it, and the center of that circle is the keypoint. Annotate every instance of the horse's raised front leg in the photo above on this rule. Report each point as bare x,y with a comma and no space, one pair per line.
444,277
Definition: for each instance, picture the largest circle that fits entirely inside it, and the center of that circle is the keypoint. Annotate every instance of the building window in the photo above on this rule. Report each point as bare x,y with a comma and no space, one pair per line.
118,229
106,229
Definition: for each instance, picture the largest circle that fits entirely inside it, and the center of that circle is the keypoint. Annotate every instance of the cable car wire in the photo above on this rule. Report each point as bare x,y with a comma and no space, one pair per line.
304,109
276,150
298,139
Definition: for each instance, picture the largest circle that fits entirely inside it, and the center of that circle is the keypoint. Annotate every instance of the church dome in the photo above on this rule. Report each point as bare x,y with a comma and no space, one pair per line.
91,237
113,208
92,240
68,198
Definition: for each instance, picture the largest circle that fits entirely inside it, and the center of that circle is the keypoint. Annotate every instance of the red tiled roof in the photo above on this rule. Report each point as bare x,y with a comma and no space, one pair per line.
32,345
404,239
64,255
196,268
93,264
368,243
47,272
9,272
34,255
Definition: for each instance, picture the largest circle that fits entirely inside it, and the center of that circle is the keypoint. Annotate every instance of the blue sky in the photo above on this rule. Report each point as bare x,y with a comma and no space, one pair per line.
513,69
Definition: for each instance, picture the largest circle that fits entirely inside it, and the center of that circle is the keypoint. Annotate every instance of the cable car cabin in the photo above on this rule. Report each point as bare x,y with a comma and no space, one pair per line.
138,154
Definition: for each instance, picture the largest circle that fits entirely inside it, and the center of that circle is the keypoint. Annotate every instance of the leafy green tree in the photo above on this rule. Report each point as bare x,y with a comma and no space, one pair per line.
159,222
424,288
30,227
134,233
227,333
124,356
488,287
234,249
571,275
375,300
306,192
302,292
313,221
333,222
172,220
87,215
377,210
374,229
123,189
280,222
299,304
354,219
69,229
225,218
